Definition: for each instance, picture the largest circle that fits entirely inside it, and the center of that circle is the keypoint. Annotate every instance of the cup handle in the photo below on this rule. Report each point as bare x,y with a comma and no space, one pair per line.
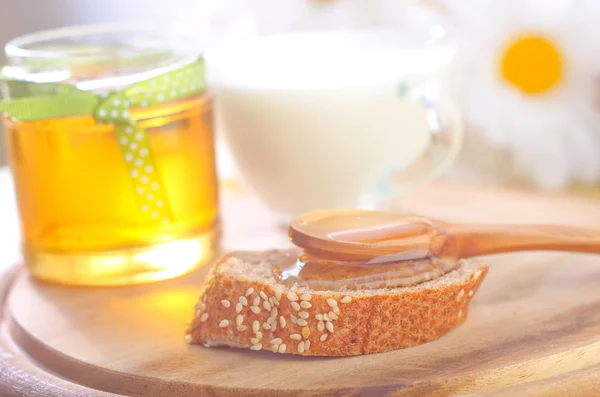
446,136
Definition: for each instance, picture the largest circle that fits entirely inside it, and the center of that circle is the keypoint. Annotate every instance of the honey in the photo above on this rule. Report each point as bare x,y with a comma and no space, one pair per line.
339,252
79,218
329,275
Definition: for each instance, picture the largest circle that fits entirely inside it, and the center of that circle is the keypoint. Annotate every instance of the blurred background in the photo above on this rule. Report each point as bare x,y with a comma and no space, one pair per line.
538,129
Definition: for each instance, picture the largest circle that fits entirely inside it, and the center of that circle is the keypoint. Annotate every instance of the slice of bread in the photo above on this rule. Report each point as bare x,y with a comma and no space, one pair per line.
243,305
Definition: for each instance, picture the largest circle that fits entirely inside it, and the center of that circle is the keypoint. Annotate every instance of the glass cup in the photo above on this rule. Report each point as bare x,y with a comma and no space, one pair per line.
338,119
98,206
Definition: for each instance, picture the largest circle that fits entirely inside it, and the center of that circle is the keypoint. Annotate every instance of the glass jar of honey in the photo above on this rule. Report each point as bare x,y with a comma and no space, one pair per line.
110,141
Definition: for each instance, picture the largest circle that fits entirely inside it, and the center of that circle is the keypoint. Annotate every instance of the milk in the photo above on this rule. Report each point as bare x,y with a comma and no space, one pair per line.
320,120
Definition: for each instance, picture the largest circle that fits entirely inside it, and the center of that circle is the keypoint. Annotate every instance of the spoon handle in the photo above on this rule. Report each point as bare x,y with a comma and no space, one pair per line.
463,241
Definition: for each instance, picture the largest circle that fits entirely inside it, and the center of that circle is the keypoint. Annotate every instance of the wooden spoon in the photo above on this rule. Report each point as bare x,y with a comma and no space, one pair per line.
362,235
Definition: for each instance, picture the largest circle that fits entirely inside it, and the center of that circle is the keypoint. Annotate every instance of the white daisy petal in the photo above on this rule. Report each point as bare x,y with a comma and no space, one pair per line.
546,134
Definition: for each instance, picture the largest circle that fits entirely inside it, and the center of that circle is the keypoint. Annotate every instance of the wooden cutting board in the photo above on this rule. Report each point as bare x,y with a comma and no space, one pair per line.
533,330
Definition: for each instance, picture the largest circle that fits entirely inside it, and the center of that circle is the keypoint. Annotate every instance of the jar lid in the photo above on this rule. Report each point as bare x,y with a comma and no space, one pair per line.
99,57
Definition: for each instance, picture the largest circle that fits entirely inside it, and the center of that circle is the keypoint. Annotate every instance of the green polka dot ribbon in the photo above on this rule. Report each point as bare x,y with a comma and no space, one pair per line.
40,101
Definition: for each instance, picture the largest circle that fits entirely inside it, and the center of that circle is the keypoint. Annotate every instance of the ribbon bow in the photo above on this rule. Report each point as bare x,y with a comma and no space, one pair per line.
39,101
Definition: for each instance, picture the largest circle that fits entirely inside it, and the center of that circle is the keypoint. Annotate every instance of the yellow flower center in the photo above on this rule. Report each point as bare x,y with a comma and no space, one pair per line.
533,64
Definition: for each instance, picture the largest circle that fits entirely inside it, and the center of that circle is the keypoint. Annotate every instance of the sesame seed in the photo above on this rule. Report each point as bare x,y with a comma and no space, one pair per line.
293,318
305,297
276,341
282,322
239,319
249,291
266,326
320,326
471,293
270,320
329,326
274,312
292,296
306,345
273,326
333,316
188,339
477,274
204,317
259,335
306,332
254,341
241,328
336,309
275,301
302,322
257,346
460,294
331,302
225,303
301,347
295,306
282,348
263,295
267,305
305,305
201,306
295,336
256,301
272,301
274,348
323,337
255,309
255,326
278,294
238,307
198,313
243,300
326,317
346,299
319,317
223,323
303,315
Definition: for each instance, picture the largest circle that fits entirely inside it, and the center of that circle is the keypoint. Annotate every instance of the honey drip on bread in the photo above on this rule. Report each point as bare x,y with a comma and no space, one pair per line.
327,264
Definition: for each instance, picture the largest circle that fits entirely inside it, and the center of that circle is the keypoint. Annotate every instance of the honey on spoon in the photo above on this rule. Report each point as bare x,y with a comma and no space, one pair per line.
351,249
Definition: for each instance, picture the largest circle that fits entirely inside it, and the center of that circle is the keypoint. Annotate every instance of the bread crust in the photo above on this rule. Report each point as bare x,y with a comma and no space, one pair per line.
363,322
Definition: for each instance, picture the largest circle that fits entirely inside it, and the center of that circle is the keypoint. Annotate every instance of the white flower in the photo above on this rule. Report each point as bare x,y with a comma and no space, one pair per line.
526,74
